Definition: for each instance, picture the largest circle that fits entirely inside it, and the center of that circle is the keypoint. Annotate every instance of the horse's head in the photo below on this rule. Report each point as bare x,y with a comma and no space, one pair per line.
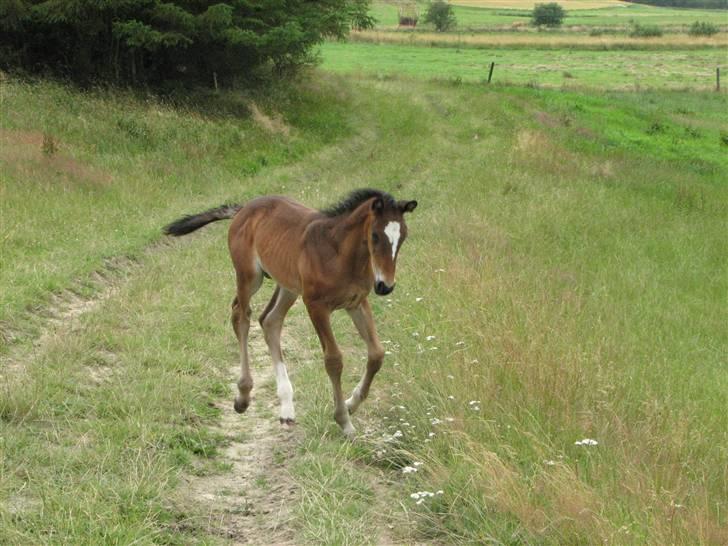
386,235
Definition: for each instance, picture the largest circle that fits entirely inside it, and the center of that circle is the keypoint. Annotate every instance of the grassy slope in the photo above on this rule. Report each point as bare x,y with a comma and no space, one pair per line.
569,251
124,165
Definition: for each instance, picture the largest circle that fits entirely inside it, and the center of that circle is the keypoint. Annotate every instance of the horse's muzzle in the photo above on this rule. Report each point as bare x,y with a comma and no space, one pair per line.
382,289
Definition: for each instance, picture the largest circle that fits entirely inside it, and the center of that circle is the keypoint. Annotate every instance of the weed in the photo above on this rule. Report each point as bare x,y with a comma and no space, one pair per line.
645,31
49,147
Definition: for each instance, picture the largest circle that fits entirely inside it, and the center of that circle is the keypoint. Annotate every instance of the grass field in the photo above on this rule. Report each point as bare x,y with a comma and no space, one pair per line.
612,69
565,278
516,14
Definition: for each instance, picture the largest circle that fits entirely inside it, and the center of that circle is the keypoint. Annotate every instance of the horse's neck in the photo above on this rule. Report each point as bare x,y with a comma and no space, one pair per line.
351,235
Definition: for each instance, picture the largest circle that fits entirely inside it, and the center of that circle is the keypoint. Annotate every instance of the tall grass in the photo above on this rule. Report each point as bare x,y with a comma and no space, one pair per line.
557,285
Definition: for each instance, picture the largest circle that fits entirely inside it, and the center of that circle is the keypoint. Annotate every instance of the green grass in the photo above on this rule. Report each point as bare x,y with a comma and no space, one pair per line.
568,254
694,69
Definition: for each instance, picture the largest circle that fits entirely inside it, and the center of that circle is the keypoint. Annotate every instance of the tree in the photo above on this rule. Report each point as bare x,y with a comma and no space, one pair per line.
154,41
441,14
550,15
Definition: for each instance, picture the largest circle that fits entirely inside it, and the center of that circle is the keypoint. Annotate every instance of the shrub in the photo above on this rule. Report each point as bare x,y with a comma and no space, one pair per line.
645,31
550,15
441,14
703,28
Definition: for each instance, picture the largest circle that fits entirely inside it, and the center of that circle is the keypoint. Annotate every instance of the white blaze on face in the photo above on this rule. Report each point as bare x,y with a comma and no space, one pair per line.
392,233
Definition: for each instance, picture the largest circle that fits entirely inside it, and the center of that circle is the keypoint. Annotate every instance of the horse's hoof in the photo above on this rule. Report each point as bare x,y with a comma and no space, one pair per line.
350,433
241,405
287,421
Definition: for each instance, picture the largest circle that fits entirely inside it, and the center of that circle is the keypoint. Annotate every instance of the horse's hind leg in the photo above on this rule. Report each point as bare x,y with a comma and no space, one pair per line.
248,284
364,322
272,322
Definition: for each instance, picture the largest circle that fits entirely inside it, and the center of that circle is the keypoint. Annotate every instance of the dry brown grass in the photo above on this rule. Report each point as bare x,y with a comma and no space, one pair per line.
41,158
272,123
541,40
528,4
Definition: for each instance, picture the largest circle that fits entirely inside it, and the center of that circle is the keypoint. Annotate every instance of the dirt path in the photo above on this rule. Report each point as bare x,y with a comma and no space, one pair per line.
253,502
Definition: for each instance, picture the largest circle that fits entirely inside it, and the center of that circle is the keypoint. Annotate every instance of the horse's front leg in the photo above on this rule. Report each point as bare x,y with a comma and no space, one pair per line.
364,322
321,318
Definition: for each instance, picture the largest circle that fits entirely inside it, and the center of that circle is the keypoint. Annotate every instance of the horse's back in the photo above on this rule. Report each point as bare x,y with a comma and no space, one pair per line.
269,230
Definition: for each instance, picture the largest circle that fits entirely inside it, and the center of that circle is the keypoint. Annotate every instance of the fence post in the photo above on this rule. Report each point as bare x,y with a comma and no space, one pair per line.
490,72
717,79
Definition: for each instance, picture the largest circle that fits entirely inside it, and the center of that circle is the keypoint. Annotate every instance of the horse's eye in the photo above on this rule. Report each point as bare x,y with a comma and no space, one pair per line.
375,238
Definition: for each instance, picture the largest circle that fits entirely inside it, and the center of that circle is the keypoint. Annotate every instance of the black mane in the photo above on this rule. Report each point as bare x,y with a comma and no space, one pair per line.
356,198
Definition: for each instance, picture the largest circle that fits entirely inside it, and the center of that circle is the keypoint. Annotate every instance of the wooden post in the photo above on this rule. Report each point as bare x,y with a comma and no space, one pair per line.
214,79
490,72
717,79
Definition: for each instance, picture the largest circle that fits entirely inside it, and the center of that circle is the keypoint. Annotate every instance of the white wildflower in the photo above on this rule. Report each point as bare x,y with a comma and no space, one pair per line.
586,442
451,397
430,338
419,299
408,469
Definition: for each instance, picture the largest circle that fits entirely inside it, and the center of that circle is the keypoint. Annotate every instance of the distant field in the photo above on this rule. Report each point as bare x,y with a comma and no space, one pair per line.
616,14
693,69
528,4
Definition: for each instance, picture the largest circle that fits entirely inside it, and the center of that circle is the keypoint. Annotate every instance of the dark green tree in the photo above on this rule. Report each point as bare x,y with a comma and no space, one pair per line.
153,41
441,14
550,15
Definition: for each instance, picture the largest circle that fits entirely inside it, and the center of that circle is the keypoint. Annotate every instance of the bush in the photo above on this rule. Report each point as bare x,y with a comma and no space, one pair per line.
645,31
550,15
158,41
441,14
699,28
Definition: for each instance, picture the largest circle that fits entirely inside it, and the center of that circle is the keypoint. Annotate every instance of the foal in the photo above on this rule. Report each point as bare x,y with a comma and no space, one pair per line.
333,258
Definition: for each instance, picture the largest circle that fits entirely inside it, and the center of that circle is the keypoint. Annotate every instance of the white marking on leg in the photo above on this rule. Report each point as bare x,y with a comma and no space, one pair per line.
353,402
392,233
284,391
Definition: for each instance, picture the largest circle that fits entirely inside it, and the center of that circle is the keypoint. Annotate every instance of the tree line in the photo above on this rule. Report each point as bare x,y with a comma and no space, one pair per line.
157,41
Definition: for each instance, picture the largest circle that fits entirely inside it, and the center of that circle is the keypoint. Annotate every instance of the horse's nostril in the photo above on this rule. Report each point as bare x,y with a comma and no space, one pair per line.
381,289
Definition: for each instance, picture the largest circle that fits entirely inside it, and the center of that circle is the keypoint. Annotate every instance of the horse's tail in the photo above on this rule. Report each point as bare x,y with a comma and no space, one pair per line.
188,224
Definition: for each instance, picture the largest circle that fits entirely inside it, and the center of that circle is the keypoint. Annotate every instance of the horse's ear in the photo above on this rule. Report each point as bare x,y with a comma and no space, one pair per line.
378,205
407,206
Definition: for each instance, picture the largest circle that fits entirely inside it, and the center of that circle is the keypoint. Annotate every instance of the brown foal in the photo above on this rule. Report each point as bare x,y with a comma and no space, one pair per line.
333,258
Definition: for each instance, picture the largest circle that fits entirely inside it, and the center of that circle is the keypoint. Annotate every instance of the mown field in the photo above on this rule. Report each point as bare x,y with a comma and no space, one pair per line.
515,15
613,69
595,47
565,278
